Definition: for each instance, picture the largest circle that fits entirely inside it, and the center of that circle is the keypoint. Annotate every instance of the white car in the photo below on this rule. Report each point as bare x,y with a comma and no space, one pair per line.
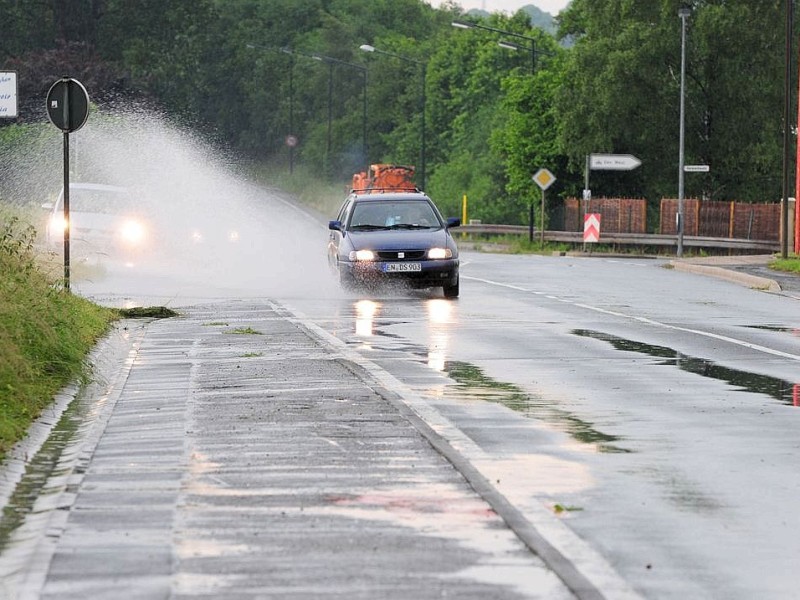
104,221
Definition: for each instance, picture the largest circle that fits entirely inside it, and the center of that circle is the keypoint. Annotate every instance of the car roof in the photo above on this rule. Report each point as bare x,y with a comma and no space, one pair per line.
101,187
394,196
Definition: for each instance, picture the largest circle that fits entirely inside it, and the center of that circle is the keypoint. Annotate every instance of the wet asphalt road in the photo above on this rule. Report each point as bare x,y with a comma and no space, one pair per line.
241,458
639,420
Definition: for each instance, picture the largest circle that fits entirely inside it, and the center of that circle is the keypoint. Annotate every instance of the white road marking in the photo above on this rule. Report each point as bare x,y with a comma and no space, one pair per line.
645,320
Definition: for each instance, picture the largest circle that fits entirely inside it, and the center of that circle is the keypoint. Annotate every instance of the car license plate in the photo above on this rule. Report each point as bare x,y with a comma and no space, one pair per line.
402,267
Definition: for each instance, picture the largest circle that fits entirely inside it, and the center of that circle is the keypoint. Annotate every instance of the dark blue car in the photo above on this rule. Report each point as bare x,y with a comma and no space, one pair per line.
393,237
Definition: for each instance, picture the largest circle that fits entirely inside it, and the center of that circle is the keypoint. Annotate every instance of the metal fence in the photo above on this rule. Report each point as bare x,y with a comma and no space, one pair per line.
739,220
619,215
702,218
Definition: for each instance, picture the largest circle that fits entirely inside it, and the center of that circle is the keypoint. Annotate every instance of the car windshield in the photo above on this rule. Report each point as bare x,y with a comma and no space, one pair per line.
378,214
103,201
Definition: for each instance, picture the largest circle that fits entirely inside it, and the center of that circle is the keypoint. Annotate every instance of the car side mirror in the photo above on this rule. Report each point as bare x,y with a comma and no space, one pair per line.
453,222
335,225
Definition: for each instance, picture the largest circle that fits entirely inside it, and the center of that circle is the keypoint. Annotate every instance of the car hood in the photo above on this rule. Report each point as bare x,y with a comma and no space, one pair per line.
400,239
94,222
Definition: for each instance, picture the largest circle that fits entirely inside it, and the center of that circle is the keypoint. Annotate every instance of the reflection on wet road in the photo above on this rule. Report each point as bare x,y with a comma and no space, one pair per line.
653,459
570,382
782,390
473,385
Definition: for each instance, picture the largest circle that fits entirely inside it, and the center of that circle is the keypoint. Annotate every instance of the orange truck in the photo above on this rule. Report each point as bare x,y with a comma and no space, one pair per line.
385,178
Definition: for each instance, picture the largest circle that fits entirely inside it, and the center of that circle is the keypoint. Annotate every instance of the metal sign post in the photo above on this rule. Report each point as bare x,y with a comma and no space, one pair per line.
606,162
67,109
544,179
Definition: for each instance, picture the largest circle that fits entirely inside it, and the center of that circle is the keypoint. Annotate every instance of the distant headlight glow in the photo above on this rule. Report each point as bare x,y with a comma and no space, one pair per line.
364,255
58,225
440,253
133,232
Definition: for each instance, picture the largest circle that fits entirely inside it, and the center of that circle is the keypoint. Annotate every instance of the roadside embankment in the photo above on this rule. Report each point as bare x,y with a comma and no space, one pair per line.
45,332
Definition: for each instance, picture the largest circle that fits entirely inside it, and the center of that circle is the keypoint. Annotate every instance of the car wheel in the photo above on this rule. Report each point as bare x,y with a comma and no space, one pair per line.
451,291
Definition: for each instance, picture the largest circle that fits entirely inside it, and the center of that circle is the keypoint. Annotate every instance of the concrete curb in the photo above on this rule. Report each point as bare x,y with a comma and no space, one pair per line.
745,279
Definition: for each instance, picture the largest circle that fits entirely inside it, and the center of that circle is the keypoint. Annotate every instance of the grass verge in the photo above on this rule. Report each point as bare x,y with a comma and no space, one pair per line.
45,333
788,265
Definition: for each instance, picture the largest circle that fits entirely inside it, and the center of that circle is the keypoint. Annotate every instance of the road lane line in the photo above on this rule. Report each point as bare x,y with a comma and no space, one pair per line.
647,321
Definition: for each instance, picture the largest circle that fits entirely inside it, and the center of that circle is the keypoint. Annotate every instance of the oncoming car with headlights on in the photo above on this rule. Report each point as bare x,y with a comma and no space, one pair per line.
393,237
105,222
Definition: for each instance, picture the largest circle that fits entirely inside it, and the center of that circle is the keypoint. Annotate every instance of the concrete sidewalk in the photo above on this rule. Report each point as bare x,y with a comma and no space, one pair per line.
748,270
234,455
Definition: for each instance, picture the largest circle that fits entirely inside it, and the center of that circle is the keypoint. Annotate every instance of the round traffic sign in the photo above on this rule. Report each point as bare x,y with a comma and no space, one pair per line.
291,141
68,104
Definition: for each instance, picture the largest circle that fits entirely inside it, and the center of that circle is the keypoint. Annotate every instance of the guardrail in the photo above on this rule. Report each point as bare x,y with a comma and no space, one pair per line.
630,239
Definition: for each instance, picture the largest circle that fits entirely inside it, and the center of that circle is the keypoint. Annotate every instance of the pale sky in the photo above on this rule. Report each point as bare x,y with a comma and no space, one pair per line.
509,6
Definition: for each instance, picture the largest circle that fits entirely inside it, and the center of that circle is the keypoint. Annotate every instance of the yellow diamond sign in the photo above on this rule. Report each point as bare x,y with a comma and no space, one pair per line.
544,178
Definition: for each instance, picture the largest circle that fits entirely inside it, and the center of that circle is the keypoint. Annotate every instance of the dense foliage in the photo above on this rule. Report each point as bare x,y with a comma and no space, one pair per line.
492,116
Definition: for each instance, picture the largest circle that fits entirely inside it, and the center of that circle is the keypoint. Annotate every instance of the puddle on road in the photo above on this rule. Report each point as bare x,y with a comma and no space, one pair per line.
473,384
779,328
784,391
44,467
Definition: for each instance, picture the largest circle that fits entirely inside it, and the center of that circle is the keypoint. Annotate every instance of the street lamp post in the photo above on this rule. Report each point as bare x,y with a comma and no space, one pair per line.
330,109
513,46
291,134
787,102
683,13
335,61
422,153
509,45
331,61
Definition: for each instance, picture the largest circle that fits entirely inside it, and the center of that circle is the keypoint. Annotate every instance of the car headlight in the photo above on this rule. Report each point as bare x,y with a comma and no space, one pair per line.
132,232
363,255
440,253
57,225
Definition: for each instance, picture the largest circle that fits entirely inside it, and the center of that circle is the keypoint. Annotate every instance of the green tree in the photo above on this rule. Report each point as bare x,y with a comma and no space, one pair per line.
623,95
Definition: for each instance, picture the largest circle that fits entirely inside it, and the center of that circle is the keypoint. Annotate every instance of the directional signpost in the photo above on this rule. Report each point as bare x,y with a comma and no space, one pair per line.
613,162
68,109
544,179
605,162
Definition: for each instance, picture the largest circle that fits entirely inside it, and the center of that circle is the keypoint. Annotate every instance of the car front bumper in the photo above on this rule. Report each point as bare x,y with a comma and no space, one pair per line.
432,273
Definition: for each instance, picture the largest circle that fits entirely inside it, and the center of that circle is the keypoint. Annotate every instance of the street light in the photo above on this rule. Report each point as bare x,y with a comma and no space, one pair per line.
290,138
331,61
513,46
510,46
787,103
368,48
335,61
502,44
330,107
683,13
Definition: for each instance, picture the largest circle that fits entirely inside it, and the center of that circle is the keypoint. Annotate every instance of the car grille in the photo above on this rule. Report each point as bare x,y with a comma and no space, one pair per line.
402,255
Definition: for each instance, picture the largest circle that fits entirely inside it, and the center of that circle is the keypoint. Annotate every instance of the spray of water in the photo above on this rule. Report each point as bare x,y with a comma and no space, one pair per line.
210,231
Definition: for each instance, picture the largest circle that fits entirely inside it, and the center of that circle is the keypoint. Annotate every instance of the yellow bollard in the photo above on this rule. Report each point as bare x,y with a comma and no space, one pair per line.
464,214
